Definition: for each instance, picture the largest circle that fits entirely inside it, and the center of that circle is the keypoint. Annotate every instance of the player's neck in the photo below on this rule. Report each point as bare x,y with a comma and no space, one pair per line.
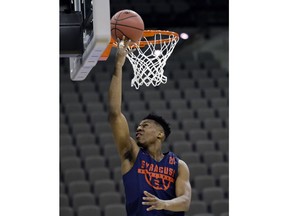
155,152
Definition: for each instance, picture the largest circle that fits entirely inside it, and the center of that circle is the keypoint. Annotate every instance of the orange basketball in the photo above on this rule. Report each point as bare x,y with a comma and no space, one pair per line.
127,23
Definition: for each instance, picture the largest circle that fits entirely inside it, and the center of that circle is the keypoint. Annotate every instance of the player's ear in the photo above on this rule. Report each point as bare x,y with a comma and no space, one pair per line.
161,135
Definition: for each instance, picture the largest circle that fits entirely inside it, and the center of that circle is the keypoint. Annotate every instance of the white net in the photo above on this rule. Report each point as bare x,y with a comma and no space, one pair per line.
148,62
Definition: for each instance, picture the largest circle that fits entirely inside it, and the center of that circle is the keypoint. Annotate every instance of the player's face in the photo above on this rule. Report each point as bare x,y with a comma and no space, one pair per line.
147,133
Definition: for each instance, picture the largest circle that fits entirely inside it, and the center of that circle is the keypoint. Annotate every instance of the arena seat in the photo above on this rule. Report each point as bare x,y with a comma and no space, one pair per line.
205,113
101,173
90,97
93,162
181,147
86,86
204,214
89,210
155,105
67,151
74,175
224,183
188,124
218,102
69,97
199,73
210,93
73,107
113,161
89,150
206,145
91,107
66,211
212,123
110,150
213,157
108,198
218,169
175,104
182,114
85,139
72,162
77,117
197,134
219,206
150,95
81,128
77,187
83,199
211,194
115,209
190,157
103,186
197,207
223,145
198,103
64,200
204,181
197,170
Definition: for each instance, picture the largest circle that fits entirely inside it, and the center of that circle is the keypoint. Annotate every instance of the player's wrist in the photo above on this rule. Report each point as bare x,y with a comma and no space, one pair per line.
165,204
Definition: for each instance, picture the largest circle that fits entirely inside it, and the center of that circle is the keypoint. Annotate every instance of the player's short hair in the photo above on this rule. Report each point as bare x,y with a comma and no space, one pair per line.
160,121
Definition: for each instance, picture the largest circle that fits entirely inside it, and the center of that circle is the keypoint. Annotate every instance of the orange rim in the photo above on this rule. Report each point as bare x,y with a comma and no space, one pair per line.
151,33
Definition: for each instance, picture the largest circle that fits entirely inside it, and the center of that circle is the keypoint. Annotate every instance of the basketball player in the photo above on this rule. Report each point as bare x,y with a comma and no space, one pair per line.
155,183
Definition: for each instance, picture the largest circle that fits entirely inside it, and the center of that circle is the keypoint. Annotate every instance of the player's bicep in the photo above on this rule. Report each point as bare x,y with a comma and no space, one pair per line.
183,186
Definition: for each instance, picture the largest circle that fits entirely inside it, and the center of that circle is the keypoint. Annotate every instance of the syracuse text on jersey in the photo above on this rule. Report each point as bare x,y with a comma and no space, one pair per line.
158,177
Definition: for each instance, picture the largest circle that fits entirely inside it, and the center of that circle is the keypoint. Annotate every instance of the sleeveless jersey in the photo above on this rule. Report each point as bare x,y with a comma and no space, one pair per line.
158,178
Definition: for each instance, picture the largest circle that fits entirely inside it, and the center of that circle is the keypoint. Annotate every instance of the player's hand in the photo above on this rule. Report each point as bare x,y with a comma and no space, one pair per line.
154,202
122,50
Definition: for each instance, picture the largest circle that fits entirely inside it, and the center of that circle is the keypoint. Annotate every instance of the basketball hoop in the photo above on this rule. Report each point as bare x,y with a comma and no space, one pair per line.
150,56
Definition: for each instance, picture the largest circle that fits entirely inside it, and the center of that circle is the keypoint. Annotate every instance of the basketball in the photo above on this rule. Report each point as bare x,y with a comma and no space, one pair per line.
127,23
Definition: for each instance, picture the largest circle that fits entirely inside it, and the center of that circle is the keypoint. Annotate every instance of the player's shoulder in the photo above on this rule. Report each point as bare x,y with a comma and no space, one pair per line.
182,165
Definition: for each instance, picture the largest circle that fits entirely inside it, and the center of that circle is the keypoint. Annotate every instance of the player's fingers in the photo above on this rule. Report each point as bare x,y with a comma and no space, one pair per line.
150,208
148,203
130,50
149,198
148,194
121,44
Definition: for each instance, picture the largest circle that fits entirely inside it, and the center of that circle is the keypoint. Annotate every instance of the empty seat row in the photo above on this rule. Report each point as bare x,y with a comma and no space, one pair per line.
111,204
200,208
83,199
138,114
90,162
105,128
94,210
93,174
153,105
182,148
103,139
208,88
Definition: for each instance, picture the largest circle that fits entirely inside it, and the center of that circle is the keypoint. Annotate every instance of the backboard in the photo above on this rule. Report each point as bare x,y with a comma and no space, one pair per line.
95,30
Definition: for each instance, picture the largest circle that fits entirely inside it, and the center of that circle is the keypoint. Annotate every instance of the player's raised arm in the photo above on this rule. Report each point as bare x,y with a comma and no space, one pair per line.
117,119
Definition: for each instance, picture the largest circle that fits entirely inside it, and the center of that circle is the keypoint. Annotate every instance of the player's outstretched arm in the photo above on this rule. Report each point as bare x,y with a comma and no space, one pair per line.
116,118
183,194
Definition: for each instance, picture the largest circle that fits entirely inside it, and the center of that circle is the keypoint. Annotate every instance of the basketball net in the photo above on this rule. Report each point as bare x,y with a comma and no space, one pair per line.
150,56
